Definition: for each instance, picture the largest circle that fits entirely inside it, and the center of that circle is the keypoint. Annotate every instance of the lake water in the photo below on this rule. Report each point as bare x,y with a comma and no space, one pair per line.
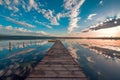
99,59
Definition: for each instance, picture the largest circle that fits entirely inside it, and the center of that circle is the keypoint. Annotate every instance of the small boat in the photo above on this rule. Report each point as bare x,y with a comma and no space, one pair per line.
51,40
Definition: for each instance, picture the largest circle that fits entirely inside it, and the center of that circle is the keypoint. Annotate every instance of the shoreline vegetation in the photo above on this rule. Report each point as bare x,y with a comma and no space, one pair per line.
12,37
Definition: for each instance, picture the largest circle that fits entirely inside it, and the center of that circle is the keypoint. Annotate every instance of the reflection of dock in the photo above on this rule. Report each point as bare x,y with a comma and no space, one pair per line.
58,64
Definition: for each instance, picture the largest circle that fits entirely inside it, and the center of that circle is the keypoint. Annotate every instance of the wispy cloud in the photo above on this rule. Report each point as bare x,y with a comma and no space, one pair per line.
14,5
42,23
107,24
20,22
11,5
101,2
32,4
10,30
59,15
16,2
7,2
90,17
73,7
0,2
48,14
22,30
42,32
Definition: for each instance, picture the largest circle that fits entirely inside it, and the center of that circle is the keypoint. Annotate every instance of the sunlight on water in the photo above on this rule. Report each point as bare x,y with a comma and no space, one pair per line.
100,59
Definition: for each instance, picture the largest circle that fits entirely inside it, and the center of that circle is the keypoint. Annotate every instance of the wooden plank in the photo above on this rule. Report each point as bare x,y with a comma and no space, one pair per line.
56,78
58,67
58,64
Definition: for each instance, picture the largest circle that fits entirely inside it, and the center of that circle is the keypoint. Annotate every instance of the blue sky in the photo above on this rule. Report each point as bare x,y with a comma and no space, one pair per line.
53,17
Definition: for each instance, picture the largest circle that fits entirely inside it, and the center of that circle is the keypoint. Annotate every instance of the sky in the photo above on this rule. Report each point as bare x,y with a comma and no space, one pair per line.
54,17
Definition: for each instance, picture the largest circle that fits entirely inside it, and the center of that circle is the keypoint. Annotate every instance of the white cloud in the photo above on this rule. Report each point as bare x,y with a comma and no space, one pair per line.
41,23
72,24
101,3
113,32
42,32
9,28
24,5
15,4
29,32
22,30
7,2
90,17
16,1
54,21
70,4
48,14
32,4
15,9
19,22
59,15
11,5
73,7
13,15
0,2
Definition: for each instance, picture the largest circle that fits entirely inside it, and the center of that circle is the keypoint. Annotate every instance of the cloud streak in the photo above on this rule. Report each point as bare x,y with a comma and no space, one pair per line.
20,31
32,4
42,23
0,2
14,5
101,3
90,17
108,23
9,28
42,32
48,14
19,22
73,7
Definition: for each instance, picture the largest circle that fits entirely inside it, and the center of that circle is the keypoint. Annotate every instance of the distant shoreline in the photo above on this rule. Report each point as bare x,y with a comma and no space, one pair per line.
2,37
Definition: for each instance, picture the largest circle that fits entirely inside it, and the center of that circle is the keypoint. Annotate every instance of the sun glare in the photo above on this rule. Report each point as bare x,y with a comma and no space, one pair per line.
111,32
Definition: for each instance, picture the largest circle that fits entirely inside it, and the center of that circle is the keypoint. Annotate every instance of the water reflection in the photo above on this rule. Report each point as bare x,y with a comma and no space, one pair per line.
108,48
72,51
17,58
100,59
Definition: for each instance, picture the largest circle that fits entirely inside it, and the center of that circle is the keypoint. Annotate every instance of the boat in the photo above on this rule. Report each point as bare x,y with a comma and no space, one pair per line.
51,40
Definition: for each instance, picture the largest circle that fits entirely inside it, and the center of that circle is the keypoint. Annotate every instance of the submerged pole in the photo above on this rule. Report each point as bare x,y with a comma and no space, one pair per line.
10,46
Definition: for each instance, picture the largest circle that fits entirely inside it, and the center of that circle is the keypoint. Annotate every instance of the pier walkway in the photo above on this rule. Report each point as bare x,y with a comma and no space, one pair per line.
57,64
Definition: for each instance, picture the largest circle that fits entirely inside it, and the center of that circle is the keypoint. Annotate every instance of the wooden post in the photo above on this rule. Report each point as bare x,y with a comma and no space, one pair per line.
10,46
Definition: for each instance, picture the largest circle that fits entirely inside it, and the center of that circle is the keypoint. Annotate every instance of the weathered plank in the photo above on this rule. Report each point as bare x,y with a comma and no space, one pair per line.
58,64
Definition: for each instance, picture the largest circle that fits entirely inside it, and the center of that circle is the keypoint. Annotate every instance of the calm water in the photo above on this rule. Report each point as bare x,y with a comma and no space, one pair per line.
100,59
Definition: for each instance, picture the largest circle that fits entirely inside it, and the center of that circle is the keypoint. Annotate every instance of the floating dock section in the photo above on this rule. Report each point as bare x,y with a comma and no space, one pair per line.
57,64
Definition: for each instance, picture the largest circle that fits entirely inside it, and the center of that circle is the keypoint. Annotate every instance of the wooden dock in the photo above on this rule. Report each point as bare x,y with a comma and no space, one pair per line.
58,64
